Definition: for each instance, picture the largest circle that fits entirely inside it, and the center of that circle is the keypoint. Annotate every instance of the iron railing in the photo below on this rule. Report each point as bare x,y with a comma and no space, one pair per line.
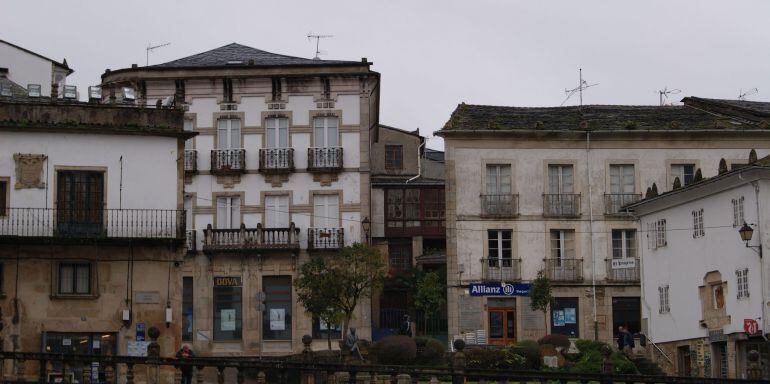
324,159
190,161
621,271
276,160
191,240
93,223
561,205
614,202
243,238
325,238
228,161
563,269
500,205
501,269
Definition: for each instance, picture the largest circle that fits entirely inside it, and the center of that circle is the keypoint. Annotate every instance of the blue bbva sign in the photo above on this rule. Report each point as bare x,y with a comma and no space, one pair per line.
499,289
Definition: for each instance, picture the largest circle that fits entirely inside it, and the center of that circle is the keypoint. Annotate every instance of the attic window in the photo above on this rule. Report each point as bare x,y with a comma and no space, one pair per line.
234,62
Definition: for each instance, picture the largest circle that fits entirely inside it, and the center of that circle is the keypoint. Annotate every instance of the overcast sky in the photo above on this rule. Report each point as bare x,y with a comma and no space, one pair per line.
435,54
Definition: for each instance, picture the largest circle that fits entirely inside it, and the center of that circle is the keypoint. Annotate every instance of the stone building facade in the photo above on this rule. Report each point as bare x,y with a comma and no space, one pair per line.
279,172
543,189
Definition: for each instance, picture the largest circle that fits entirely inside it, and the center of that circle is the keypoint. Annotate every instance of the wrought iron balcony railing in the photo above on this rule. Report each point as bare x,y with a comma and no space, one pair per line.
190,161
569,270
243,238
620,270
325,238
561,205
276,160
93,223
228,161
500,205
501,269
613,202
324,159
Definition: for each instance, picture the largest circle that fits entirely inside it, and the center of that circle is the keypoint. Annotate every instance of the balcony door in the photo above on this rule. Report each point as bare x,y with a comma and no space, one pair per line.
229,134
80,203
325,132
498,199
228,212
277,211
277,133
622,179
563,265
560,179
326,219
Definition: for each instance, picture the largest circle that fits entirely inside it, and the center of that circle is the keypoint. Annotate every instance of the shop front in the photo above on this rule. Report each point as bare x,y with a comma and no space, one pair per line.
80,343
500,309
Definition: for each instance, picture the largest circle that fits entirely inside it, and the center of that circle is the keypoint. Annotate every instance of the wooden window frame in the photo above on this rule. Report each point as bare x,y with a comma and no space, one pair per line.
394,156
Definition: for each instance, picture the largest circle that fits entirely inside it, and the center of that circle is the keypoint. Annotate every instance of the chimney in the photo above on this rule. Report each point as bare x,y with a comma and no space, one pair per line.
54,91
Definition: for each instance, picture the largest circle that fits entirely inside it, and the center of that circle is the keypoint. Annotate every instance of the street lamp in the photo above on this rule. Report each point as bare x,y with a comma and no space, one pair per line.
747,233
366,225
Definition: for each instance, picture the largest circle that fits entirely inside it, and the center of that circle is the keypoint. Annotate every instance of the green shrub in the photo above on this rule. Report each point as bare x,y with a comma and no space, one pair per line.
588,362
556,340
488,358
394,350
621,364
430,351
591,345
530,350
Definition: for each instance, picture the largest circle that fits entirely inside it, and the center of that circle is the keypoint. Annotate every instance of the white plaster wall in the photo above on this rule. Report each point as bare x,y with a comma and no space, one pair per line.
204,108
300,107
141,189
253,106
351,105
684,261
25,68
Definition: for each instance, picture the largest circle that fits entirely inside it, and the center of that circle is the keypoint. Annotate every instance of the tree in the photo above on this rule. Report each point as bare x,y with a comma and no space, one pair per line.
540,296
430,294
330,286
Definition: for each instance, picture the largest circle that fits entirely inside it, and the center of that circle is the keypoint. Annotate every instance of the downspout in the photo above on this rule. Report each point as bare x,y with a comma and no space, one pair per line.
761,260
419,162
591,232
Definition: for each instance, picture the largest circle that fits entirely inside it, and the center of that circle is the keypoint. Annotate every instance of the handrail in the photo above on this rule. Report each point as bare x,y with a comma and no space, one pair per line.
649,340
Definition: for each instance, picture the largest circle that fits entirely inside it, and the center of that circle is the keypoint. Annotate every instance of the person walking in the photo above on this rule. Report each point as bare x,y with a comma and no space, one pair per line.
187,370
406,327
628,342
621,337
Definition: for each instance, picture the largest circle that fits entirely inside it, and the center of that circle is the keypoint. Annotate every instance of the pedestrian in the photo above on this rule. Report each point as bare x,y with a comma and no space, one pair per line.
351,342
628,341
621,337
406,327
187,370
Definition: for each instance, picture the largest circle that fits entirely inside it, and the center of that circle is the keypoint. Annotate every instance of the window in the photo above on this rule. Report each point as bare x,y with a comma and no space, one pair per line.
4,198
228,212
499,247
228,304
321,330
498,179
394,157
742,278
79,203
560,180
622,179
738,218
658,231
562,246
276,323
414,209
685,173
697,223
277,132
75,278
277,211
663,299
228,134
400,255
187,308
325,132
623,243
326,211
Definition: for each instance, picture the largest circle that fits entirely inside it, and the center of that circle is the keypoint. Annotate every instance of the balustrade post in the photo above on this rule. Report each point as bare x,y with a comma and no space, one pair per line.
260,234
221,374
403,378
241,375
199,374
458,362
178,374
42,371
261,377
434,380
86,379
208,234
363,378
129,373
331,377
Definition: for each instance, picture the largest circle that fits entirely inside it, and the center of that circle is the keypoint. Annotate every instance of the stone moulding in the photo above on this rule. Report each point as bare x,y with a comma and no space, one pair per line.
29,170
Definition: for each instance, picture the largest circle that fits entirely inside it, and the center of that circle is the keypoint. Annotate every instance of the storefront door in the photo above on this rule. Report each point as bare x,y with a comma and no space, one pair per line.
502,326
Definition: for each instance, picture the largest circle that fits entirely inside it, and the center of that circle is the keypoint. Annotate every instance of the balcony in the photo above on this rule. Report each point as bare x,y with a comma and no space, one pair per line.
190,161
190,241
324,159
614,202
45,224
501,269
561,205
228,161
566,270
255,239
499,205
325,238
623,270
276,160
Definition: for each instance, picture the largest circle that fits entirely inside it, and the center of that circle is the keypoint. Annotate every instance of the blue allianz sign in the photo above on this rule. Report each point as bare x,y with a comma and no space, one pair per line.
499,289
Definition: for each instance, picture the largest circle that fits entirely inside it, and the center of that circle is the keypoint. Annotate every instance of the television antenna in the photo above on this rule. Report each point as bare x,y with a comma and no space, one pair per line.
317,42
151,48
742,95
579,89
663,93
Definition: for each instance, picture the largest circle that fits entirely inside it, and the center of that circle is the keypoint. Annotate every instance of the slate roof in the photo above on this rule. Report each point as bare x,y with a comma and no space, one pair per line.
236,54
757,107
432,154
467,117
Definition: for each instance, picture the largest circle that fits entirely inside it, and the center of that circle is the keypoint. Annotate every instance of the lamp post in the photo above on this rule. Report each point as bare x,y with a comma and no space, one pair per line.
366,226
747,233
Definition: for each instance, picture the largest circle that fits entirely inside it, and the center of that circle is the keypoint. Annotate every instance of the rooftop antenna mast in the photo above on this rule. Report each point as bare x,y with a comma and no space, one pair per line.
579,89
317,42
742,95
150,48
663,94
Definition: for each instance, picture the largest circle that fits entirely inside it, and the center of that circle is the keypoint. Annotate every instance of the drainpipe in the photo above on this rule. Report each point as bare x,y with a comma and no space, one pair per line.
761,260
419,162
591,232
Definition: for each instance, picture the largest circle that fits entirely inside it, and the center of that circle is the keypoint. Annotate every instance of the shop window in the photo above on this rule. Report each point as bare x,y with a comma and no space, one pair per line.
187,308
227,308
322,330
276,323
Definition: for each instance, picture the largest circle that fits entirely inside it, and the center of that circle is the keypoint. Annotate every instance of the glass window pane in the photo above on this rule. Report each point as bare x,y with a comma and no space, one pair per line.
331,132
66,278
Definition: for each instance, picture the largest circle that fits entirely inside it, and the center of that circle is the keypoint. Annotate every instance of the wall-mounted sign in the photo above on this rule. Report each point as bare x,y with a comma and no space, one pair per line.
717,336
137,348
626,263
227,281
147,297
750,326
140,328
499,289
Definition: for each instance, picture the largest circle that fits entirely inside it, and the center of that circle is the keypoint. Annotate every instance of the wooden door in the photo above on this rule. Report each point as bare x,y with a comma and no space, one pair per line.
80,203
502,326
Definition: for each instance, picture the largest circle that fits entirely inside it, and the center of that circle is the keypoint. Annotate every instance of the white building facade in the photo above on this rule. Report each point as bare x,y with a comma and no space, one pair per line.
279,171
24,67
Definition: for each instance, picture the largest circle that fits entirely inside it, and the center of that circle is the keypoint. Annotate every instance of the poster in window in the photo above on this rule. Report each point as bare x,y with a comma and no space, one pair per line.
570,316
277,319
227,320
558,318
